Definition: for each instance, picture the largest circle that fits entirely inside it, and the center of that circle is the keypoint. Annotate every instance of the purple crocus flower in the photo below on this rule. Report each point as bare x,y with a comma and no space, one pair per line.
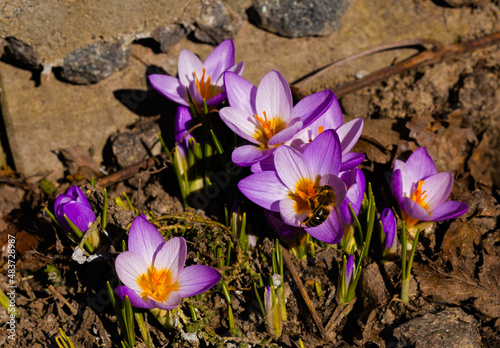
153,270
203,80
298,181
265,115
348,133
421,191
76,207
354,180
389,228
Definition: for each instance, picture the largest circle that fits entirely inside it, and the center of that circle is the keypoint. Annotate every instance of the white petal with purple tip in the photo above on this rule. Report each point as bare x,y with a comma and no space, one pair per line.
129,266
144,239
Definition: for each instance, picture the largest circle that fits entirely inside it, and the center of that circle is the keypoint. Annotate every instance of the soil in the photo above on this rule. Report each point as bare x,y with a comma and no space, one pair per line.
452,108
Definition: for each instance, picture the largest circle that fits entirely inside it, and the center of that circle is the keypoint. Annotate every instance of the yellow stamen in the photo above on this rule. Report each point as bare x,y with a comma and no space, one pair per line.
268,127
157,284
305,193
418,197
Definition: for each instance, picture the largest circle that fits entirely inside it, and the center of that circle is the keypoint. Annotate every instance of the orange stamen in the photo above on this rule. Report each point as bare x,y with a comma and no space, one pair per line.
269,126
203,86
418,197
156,284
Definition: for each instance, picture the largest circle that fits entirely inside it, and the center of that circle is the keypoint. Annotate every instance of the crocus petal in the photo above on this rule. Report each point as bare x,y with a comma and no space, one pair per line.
448,210
182,123
285,231
247,155
414,210
195,93
78,195
349,134
286,134
241,94
135,299
79,214
351,160
274,97
349,270
129,266
437,188
237,68
333,118
331,231
289,214
389,228
264,189
291,167
397,186
240,122
187,65
144,239
407,180
421,164
172,256
266,164
218,99
323,154
197,279
312,106
173,301
170,87
221,58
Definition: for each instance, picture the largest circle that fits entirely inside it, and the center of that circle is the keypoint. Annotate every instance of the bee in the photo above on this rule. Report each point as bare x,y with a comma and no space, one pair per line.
321,206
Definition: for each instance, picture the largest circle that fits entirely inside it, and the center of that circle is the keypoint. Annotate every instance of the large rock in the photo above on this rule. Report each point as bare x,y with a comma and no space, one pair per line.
300,18
450,328
39,121
89,39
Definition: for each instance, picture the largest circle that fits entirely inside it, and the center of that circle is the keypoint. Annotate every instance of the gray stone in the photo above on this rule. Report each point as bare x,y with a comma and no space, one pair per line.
95,62
372,284
169,35
39,121
217,22
57,31
298,18
21,53
137,145
450,328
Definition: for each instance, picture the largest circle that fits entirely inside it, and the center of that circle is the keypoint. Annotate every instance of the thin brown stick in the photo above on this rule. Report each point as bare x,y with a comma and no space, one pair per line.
128,172
424,58
291,267
61,297
436,45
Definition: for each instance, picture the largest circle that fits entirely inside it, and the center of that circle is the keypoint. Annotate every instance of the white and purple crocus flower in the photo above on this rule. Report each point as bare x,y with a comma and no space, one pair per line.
295,181
153,271
203,80
421,191
265,115
75,206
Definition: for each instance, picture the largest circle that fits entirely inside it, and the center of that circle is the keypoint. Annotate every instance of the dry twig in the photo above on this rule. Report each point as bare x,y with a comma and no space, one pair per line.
291,267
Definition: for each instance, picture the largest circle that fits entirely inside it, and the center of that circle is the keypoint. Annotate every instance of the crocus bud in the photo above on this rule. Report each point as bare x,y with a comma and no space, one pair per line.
389,228
76,207
349,270
273,313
